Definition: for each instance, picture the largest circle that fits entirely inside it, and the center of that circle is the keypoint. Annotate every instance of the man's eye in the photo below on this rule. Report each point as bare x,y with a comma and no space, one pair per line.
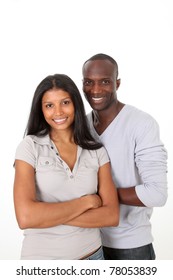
87,83
106,82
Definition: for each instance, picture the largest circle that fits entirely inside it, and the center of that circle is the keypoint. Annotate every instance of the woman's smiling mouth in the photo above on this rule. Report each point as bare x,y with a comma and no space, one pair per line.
60,121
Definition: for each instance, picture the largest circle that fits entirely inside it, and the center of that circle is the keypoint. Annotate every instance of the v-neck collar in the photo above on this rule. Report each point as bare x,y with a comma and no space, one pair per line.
113,122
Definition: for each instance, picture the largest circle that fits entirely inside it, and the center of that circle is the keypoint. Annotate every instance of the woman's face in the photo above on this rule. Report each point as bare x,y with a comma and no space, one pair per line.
58,109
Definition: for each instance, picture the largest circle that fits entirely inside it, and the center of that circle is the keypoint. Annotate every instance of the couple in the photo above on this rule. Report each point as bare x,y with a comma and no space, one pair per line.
64,193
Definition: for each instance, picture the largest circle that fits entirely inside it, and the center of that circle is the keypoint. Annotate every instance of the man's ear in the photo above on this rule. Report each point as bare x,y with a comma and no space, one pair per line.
118,82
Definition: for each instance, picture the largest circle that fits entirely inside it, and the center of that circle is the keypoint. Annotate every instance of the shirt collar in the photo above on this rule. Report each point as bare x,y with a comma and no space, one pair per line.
42,140
45,140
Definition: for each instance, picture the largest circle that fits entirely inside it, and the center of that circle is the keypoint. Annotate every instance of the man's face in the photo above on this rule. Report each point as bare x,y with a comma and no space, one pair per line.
100,83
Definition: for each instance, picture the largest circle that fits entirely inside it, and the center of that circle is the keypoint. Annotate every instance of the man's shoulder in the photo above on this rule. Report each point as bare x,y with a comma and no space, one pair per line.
140,121
137,113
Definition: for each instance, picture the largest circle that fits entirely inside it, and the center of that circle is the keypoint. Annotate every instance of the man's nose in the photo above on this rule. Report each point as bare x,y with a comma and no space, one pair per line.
96,88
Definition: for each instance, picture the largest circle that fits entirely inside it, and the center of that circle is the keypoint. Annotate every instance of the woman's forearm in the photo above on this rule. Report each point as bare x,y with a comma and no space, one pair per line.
43,215
101,217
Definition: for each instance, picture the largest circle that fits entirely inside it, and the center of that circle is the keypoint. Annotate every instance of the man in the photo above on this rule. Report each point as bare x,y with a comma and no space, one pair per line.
138,159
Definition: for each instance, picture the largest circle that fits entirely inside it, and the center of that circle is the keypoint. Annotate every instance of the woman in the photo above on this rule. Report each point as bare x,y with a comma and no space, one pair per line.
63,189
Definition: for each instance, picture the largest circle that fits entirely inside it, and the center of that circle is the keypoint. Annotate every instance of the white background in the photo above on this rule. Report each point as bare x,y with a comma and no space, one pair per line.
39,37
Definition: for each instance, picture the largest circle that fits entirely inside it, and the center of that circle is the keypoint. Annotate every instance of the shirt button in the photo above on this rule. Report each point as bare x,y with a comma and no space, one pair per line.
51,147
47,162
71,176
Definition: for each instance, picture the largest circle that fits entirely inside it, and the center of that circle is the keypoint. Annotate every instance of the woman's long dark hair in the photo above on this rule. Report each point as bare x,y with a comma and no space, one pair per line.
37,124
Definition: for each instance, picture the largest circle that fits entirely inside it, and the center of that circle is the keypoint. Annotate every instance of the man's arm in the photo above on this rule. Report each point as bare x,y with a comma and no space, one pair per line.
151,162
128,196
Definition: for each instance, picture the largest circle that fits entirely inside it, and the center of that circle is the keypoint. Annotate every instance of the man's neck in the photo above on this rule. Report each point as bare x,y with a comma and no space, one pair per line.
102,119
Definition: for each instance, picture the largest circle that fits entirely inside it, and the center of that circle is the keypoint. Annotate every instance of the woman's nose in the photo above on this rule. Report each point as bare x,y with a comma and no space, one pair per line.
58,110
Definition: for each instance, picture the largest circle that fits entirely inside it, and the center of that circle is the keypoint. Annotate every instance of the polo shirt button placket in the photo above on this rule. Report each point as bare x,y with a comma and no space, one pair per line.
69,172
61,161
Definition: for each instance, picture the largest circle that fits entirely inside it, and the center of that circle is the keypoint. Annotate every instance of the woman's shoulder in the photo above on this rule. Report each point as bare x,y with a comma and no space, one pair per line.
100,153
36,139
26,143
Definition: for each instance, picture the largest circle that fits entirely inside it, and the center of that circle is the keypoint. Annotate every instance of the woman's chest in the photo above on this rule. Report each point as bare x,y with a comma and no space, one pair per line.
55,181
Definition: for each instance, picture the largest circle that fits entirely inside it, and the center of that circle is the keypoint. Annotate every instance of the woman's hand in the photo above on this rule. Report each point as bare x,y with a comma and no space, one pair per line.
94,200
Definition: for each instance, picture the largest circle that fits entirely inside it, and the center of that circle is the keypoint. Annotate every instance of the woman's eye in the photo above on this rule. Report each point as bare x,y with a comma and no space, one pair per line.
49,105
66,102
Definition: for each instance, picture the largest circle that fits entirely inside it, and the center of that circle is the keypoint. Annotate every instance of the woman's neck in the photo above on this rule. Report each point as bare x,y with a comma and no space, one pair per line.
62,136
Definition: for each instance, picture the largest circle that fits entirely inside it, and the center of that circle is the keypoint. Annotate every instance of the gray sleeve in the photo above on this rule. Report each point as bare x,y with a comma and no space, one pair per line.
26,151
102,156
151,161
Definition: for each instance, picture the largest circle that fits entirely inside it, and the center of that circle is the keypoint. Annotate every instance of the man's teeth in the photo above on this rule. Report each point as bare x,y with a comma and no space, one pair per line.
97,98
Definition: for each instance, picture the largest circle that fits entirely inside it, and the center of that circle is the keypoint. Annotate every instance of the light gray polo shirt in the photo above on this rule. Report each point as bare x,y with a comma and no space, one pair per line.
55,182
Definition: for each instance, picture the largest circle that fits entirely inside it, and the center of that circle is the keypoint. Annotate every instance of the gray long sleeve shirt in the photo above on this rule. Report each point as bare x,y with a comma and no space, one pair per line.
138,158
